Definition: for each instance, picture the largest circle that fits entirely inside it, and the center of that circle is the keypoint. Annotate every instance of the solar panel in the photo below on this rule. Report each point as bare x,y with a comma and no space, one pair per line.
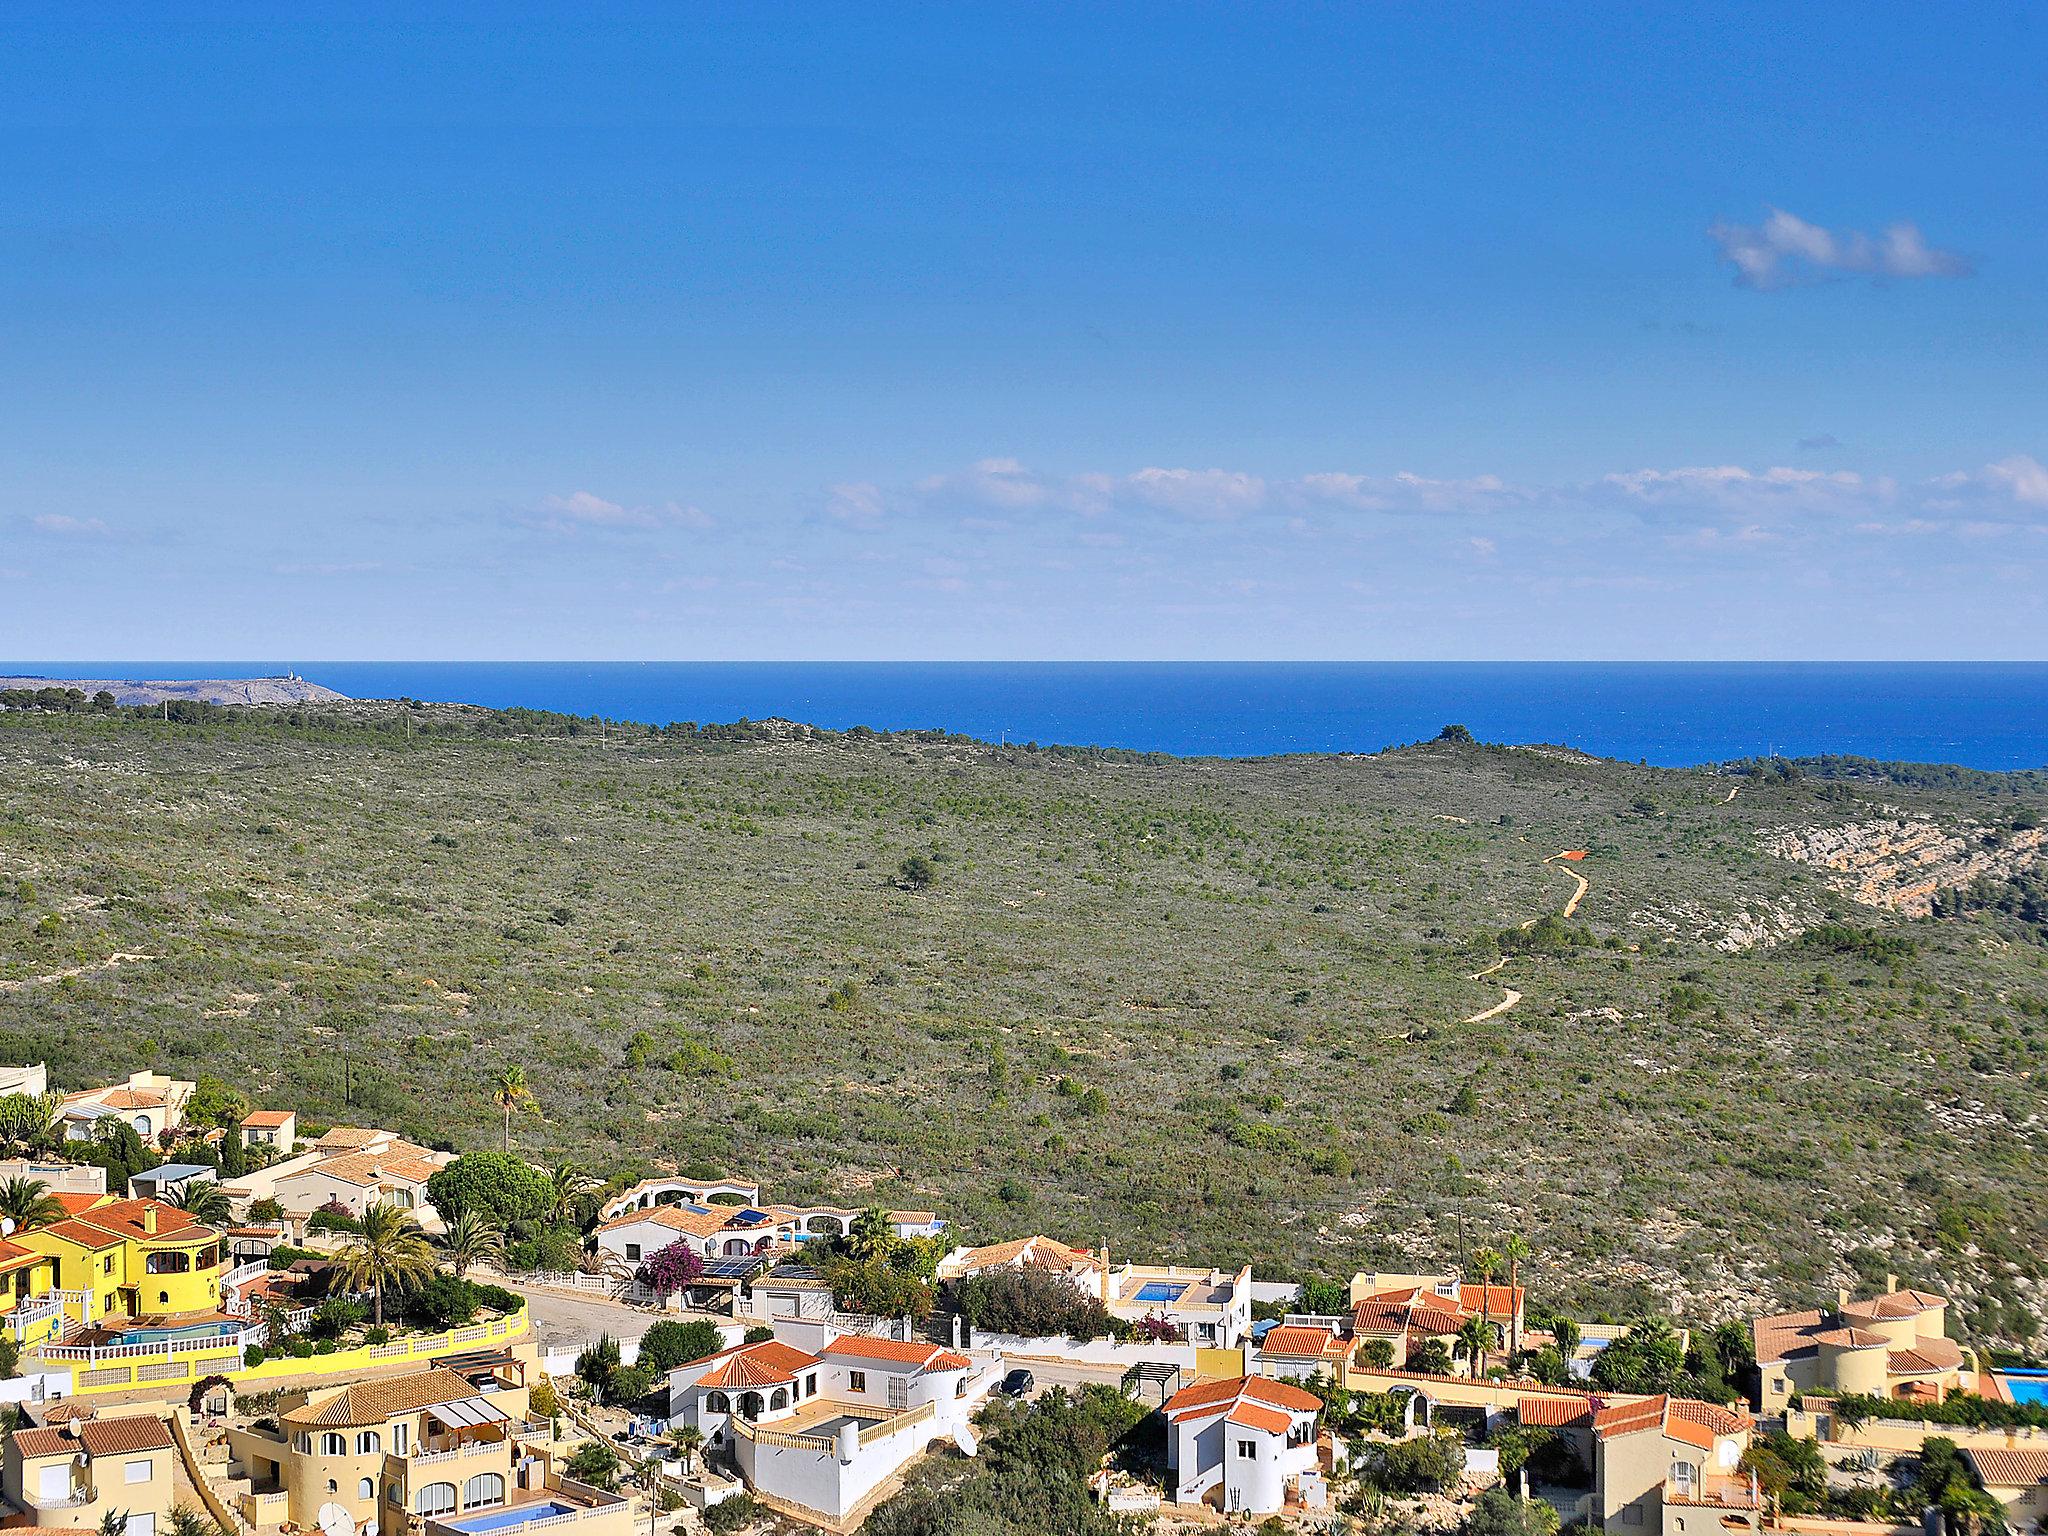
736,1267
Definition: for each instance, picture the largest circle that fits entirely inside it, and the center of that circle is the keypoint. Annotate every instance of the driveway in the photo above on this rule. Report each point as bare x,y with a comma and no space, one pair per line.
573,1322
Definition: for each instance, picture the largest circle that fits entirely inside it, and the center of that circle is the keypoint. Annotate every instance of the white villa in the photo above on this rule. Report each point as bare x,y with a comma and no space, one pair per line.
1240,1444
822,1434
1211,1308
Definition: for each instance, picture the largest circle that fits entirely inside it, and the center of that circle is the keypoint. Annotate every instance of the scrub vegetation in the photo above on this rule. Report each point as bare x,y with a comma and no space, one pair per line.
1202,1009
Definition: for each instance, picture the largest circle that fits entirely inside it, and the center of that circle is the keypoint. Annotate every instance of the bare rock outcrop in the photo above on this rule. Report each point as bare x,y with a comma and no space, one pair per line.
1899,864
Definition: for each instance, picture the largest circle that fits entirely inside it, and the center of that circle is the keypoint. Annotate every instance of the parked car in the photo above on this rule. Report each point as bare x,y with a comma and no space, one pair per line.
1018,1383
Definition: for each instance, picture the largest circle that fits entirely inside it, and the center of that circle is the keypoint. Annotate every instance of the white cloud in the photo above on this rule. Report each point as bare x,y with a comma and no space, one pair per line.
1786,250
64,526
1202,493
1405,492
1729,487
583,509
856,501
2020,481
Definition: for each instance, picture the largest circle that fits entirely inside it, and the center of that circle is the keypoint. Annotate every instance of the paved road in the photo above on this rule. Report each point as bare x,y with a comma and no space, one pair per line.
574,1322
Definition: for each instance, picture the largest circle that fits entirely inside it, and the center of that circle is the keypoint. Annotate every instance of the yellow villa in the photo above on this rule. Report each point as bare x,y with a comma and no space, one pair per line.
72,1475
130,1259
1894,1345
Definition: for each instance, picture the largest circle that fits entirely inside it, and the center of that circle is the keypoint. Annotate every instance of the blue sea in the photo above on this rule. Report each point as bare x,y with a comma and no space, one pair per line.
1983,715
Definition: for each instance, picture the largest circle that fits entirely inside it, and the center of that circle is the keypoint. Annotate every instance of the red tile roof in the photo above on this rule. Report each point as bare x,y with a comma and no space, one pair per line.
123,1437
1297,1341
1244,1399
766,1364
1555,1412
267,1118
926,1357
2010,1466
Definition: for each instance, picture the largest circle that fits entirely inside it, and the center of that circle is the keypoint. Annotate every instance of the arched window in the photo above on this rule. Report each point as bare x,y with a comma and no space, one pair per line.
163,1298
750,1405
779,1401
484,1488
437,1499
366,1489
717,1402
369,1443
168,1263
142,1126
332,1444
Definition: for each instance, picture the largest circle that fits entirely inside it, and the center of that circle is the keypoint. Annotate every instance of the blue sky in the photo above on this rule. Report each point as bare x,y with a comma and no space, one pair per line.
986,332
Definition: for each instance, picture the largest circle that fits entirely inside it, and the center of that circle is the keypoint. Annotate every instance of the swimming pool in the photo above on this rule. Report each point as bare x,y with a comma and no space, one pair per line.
2026,1386
510,1515
1160,1290
189,1331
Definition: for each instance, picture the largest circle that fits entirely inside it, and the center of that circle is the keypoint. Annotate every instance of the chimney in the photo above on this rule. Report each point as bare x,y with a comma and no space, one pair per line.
1105,1272
1841,1299
149,1218
1891,1282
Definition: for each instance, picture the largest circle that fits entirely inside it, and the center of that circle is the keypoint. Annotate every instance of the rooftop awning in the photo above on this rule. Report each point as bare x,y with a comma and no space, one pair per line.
470,1412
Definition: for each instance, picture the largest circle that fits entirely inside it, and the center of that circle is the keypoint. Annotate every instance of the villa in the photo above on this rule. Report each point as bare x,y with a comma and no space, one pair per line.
131,1259
149,1102
1295,1352
2016,1476
1893,1345
277,1129
1210,1308
73,1475
1045,1254
28,1309
447,1449
1670,1465
670,1189
1411,1310
393,1172
164,1181
822,1434
28,1081
1240,1445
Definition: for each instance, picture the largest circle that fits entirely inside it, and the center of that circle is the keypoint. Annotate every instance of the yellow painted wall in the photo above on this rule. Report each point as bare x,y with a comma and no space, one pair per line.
173,1375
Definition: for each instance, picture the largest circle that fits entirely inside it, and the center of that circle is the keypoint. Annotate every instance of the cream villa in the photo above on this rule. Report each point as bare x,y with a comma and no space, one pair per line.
1211,1308
277,1129
1240,1445
2016,1476
448,1448
1295,1352
822,1434
1040,1253
73,1474
152,1104
1893,1345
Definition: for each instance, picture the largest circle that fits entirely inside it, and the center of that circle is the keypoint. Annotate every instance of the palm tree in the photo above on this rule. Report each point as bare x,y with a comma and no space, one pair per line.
571,1193
1476,1335
203,1200
472,1238
1486,1264
1515,1249
388,1249
686,1438
510,1093
871,1235
29,1203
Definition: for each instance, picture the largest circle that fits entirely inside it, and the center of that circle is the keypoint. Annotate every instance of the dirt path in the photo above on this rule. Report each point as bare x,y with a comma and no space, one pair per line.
1513,997
76,970
1733,793
1577,896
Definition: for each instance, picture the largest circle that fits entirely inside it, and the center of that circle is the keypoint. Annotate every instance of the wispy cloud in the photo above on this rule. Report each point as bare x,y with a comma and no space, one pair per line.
2019,482
1786,250
584,509
1732,488
63,525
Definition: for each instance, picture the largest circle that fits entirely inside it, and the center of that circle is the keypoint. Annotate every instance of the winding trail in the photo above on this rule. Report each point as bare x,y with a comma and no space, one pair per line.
1577,896
1733,793
1513,997
76,970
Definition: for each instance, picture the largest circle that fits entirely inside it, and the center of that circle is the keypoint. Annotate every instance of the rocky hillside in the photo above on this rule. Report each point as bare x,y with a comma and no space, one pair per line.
213,690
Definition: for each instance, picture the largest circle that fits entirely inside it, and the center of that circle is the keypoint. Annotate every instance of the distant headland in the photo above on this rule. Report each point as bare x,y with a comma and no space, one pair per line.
287,689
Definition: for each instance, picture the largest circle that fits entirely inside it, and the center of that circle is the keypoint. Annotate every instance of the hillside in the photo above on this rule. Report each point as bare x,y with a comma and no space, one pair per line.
1201,1008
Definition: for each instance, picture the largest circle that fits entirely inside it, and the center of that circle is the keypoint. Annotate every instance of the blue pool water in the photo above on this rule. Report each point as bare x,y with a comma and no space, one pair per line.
189,1331
1983,715
1159,1290
2026,1386
510,1515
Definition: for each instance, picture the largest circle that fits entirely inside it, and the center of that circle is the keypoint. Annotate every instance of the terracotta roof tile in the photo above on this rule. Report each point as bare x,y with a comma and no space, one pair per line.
926,1357
2010,1466
1850,1338
1252,1416
45,1442
1555,1412
269,1119
697,1221
1210,1397
765,1364
1299,1342
122,1437
372,1402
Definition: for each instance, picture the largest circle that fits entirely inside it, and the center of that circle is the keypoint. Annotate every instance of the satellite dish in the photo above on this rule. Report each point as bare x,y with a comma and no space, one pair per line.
336,1521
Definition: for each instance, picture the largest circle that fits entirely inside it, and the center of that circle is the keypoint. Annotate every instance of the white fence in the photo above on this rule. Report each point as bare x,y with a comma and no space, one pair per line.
1094,1352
